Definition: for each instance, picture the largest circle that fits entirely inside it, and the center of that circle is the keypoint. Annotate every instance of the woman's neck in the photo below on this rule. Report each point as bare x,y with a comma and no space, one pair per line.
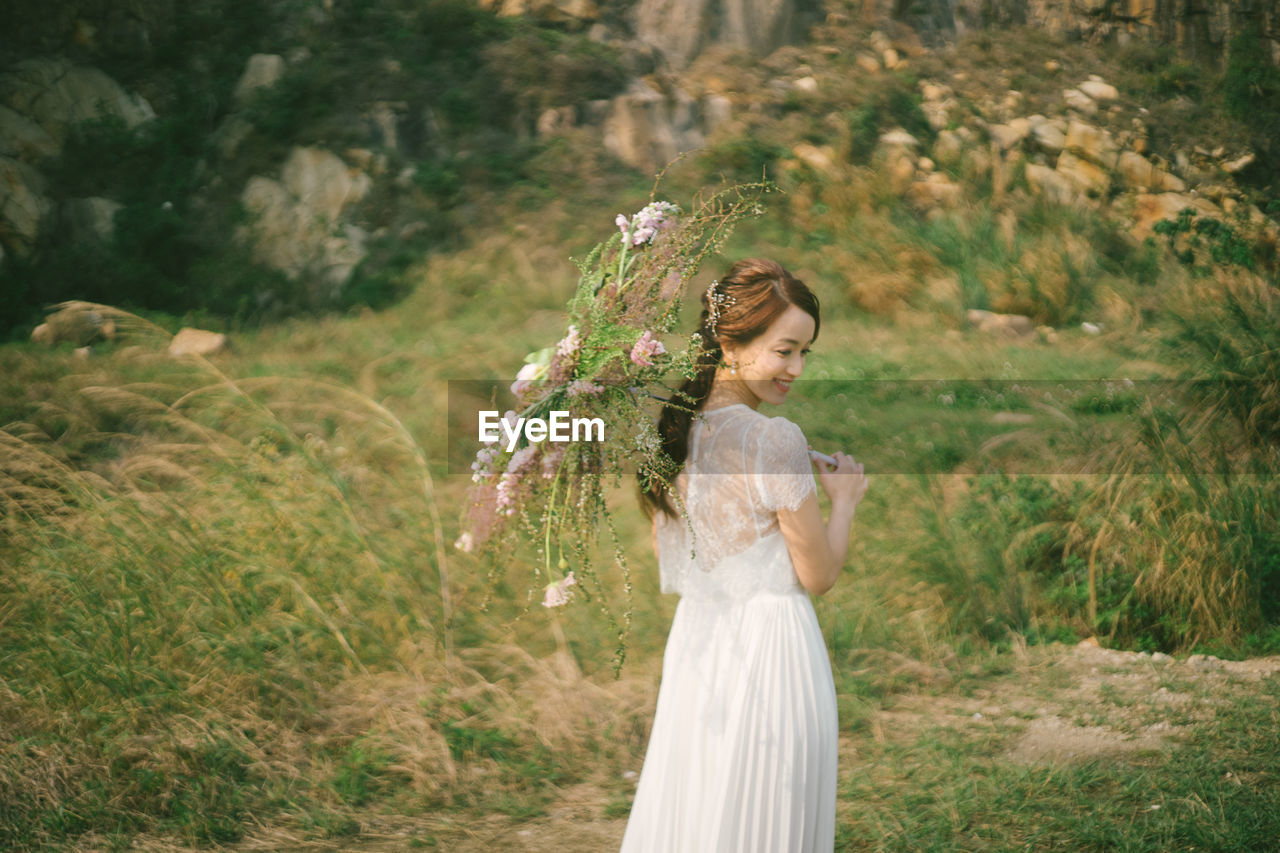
728,391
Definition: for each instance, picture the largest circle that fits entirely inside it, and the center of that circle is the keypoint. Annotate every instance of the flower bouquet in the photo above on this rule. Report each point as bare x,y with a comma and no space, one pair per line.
606,369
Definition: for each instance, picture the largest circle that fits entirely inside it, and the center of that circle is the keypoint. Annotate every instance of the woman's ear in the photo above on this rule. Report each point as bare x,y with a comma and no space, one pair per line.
728,352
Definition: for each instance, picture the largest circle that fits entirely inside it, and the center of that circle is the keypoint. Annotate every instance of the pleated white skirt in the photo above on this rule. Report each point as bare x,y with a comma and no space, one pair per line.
742,756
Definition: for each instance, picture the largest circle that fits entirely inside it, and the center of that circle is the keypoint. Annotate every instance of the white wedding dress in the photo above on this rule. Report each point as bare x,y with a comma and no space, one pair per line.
742,756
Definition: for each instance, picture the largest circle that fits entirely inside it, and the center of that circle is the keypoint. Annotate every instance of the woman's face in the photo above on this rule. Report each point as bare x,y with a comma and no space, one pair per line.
768,365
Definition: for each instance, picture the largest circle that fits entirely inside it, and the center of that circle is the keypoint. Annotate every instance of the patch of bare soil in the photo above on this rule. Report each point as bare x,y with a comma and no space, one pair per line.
1075,703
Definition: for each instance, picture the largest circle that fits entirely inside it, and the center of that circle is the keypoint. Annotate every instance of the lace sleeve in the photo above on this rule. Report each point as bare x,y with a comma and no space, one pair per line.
784,474
670,538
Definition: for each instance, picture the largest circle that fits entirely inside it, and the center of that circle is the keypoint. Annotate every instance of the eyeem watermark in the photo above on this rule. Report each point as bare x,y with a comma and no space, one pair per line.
559,427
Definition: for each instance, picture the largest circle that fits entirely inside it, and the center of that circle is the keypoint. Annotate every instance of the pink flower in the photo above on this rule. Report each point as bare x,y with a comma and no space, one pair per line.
645,349
551,463
581,386
465,543
557,594
646,224
570,343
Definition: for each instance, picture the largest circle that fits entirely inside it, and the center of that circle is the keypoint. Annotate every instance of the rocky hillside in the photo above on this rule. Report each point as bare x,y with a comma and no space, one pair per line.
248,160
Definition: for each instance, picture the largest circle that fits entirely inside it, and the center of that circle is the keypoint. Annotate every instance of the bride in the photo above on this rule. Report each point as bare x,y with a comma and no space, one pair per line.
742,755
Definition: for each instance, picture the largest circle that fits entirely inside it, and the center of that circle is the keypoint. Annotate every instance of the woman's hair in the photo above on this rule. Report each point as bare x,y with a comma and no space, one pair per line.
738,308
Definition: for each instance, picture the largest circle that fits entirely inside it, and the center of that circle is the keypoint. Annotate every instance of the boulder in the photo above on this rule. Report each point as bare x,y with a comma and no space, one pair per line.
296,227
1005,326
937,190
1049,136
1086,177
1148,209
948,147
262,71
1077,100
1092,143
197,342
1239,164
1046,182
647,130
938,113
1099,90
933,91
23,205
1137,172
76,323
898,138
1010,135
821,159
56,94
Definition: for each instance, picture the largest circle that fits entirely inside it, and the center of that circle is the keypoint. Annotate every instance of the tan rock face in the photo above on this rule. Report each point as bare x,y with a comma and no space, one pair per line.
262,71
682,28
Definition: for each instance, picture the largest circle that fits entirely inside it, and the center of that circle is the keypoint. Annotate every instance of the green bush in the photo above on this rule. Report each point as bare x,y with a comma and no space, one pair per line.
1251,92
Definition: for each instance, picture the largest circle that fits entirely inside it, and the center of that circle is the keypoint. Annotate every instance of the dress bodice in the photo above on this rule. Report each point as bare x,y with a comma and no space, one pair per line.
742,468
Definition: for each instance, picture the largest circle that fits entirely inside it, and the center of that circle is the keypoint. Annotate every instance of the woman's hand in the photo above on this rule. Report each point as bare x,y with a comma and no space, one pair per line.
845,483
818,549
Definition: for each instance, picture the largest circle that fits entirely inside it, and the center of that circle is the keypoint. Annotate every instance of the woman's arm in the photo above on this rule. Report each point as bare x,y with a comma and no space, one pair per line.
818,550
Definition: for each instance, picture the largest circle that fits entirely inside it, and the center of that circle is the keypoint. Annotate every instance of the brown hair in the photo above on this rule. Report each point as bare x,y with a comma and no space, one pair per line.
748,299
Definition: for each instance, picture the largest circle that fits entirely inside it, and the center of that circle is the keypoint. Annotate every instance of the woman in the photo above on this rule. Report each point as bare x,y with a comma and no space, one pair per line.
742,756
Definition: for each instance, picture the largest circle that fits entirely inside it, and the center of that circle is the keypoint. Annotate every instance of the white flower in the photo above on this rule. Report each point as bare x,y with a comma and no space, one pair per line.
464,543
528,375
557,594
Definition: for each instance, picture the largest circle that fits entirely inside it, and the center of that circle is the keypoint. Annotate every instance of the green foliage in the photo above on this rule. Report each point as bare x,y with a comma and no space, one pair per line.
742,158
1251,92
1190,237
888,104
472,85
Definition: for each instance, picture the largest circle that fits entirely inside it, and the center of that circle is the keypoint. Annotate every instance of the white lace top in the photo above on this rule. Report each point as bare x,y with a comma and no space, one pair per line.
742,468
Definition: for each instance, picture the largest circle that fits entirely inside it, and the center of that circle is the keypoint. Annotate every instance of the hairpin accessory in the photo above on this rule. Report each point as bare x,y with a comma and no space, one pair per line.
717,302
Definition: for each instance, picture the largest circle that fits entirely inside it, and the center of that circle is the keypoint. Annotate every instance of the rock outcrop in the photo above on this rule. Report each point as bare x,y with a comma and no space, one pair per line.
647,129
681,29
43,99
56,94
297,227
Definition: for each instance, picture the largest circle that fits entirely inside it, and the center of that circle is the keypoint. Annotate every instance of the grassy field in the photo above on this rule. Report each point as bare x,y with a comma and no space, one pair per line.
231,613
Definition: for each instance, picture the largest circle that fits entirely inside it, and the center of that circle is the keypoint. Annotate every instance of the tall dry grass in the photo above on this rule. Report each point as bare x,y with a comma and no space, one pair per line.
224,597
